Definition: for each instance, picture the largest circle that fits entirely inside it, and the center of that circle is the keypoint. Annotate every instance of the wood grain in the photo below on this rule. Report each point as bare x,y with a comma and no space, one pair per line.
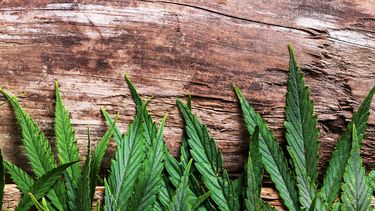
174,48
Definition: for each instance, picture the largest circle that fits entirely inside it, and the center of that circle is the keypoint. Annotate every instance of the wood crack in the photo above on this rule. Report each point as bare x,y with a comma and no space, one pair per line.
350,43
311,32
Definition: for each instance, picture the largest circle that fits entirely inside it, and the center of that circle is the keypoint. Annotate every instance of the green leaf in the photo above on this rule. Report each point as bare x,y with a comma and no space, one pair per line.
185,154
174,169
2,180
109,200
238,186
82,200
318,204
336,206
125,167
164,193
21,178
81,195
150,178
181,201
194,184
272,156
267,207
45,204
371,179
39,207
150,129
301,133
72,191
184,199
209,161
116,134
57,195
335,171
36,145
66,142
137,99
356,191
254,175
198,201
43,185
98,155
97,206
188,104
37,148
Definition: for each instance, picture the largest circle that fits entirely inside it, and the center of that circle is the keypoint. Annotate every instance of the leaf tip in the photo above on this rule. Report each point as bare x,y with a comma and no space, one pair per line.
234,85
290,48
126,77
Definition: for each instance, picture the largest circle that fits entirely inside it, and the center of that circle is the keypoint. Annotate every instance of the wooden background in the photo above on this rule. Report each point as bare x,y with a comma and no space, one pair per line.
171,49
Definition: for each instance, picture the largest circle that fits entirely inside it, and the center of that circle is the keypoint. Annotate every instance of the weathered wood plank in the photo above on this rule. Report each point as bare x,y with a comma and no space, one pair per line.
173,48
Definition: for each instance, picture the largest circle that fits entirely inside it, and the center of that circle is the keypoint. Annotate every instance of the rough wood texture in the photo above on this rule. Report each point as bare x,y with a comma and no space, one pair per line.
173,48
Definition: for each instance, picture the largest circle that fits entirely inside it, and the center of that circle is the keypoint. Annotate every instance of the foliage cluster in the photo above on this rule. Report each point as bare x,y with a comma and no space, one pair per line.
145,176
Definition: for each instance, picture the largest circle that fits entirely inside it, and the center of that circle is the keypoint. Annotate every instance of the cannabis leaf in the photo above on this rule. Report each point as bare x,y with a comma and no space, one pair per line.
42,186
356,191
22,179
38,206
37,149
137,99
116,133
165,192
318,204
302,133
181,200
208,161
335,171
98,155
254,176
125,167
66,142
145,176
184,199
82,199
2,179
36,145
176,168
150,129
81,195
371,178
272,156
336,206
150,177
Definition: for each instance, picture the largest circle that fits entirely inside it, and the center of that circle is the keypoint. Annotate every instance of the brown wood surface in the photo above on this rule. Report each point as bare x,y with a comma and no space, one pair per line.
173,48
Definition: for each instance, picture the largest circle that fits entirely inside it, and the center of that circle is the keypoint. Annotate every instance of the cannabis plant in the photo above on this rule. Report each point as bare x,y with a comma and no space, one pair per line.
345,184
137,180
2,180
145,176
137,183
76,190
